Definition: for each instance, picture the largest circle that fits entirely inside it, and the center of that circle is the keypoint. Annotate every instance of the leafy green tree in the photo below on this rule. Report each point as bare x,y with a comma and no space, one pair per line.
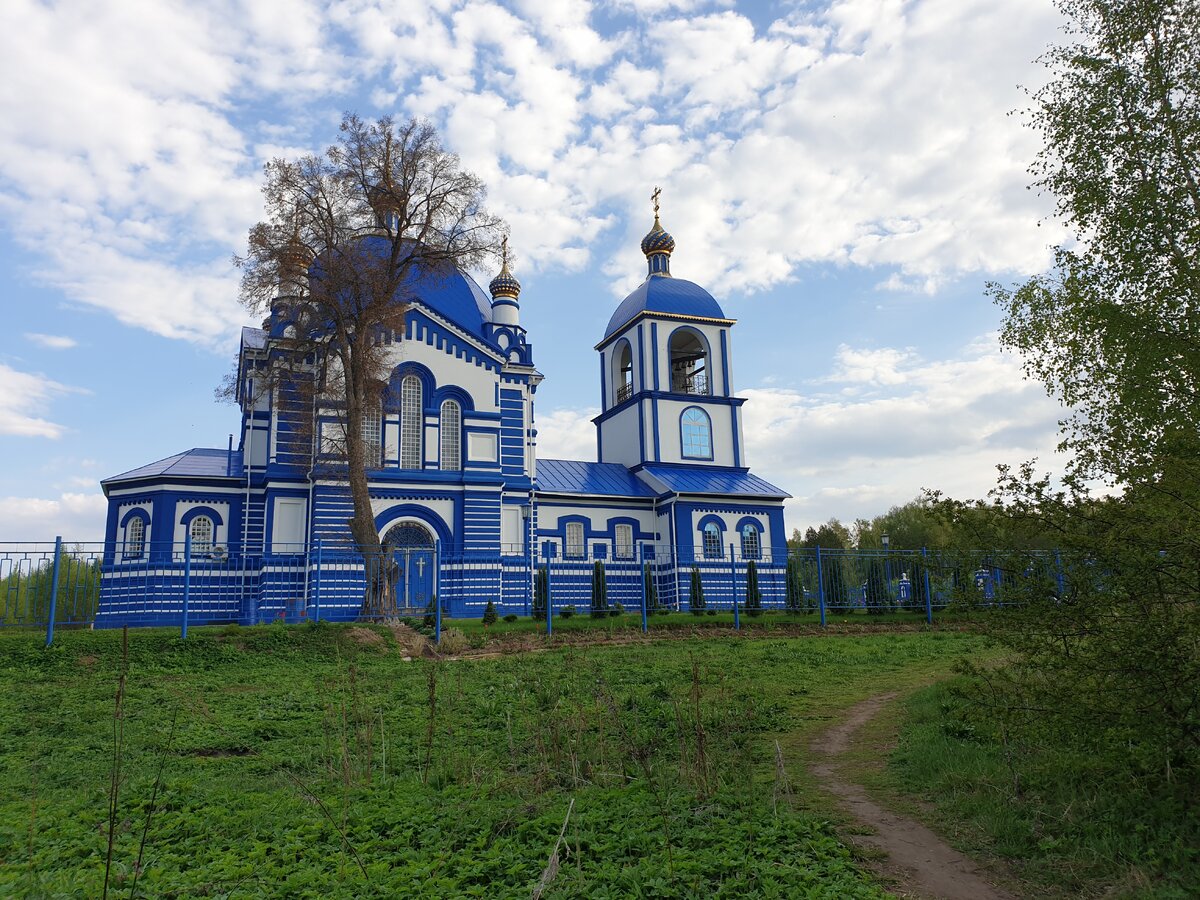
1113,330
489,614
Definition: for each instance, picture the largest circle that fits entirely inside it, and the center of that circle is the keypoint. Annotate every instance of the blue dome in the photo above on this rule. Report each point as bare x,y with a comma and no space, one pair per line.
453,294
664,294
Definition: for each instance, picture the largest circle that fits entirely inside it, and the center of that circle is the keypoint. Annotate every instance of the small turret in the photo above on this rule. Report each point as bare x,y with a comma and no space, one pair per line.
658,243
505,290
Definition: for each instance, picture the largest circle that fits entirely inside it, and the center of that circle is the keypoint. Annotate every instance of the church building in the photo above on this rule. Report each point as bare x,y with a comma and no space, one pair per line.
465,508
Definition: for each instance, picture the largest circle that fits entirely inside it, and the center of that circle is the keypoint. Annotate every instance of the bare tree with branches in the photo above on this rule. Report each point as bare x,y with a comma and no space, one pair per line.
349,238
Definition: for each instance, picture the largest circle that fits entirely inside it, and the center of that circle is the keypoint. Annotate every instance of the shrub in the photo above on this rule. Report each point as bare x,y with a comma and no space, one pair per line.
541,592
453,641
511,617
710,612
696,594
566,612
489,614
651,588
430,613
795,586
753,594
599,591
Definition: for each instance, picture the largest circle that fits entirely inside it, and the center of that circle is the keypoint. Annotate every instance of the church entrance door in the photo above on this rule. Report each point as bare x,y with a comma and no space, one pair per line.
411,548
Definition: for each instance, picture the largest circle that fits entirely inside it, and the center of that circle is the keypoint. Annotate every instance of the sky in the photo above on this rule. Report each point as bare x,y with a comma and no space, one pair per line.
845,177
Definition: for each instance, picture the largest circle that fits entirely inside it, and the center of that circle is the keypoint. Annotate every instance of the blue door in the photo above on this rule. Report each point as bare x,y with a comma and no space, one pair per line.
411,546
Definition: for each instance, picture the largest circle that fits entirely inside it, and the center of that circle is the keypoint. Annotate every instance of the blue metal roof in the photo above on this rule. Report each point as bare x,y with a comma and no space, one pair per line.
687,480
665,294
453,294
571,476
200,462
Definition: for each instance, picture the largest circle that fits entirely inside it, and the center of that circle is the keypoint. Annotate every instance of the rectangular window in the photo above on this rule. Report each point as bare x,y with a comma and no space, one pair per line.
412,422
712,542
575,546
372,435
623,542
451,428
750,542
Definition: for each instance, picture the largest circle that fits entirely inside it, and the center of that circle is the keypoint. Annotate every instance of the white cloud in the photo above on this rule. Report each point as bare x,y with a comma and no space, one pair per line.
24,397
567,434
51,341
77,517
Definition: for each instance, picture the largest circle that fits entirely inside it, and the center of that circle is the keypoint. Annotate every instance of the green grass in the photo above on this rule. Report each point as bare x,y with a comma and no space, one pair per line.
1038,810
288,737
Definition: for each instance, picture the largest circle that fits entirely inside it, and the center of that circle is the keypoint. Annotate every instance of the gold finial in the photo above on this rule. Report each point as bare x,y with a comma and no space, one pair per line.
654,196
504,253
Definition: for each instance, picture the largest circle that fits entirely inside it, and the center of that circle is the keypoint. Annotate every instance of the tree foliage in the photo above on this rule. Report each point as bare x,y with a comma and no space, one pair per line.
1113,330
349,236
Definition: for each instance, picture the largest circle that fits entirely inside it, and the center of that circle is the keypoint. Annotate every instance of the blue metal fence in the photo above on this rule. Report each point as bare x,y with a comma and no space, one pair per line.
57,584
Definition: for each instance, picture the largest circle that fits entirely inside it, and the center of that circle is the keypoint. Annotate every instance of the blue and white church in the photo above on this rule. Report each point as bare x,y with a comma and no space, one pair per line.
462,502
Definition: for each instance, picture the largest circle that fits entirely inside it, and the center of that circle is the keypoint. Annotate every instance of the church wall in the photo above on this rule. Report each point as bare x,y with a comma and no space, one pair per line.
671,445
620,436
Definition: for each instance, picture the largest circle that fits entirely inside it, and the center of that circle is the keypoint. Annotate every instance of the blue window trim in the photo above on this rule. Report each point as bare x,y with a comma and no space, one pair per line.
429,388
441,408
421,514
195,511
562,525
682,444
634,534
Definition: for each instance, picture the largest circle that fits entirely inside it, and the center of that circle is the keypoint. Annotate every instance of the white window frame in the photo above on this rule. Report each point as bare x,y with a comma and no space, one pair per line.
203,532
623,542
135,541
372,437
412,422
751,542
712,541
450,433
574,542
695,437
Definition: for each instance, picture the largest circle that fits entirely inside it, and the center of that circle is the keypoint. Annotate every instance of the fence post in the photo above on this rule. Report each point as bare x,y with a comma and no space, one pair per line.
1058,575
187,581
820,588
437,591
549,600
54,590
737,619
641,557
928,592
317,582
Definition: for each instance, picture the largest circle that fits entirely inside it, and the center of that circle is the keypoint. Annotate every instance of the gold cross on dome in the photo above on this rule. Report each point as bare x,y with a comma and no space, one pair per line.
504,250
654,196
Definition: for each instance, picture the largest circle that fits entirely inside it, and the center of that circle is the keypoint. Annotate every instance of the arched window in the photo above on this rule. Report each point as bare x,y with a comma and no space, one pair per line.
201,531
751,545
450,430
695,431
412,422
575,543
689,362
622,373
712,541
372,437
135,538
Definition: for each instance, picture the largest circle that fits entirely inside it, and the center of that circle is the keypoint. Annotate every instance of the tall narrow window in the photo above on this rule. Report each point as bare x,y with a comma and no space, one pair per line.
623,542
575,545
712,541
135,538
750,542
412,422
201,531
372,437
450,430
695,434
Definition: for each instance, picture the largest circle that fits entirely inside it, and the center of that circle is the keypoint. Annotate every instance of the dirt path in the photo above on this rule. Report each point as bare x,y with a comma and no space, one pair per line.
924,864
